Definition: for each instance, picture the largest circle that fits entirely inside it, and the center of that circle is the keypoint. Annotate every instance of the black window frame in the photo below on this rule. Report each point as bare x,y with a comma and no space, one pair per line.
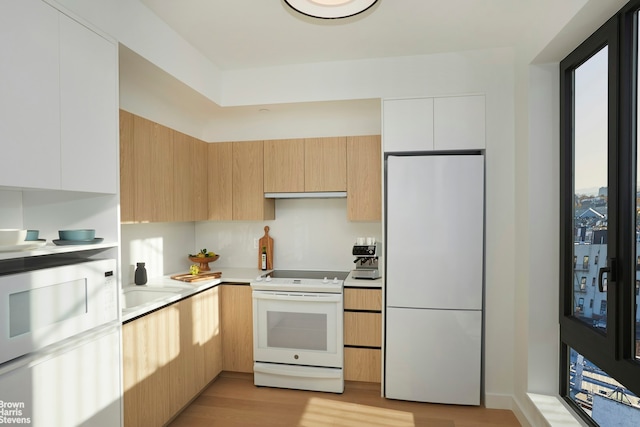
613,350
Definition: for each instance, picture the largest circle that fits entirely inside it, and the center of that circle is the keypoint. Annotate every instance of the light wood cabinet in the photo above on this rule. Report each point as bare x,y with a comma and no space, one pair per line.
149,174
363,364
363,299
284,166
169,356
362,334
364,178
200,180
325,165
247,183
236,182
127,171
236,314
150,344
220,177
363,329
183,191
163,173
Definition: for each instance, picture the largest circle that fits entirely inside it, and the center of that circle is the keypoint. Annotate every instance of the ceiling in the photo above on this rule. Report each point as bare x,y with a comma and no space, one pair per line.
247,34
237,34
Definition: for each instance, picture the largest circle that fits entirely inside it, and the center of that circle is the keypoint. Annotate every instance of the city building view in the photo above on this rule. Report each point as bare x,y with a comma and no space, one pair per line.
604,399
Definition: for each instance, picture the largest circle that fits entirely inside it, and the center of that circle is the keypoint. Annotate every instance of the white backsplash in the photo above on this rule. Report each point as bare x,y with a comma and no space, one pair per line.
11,209
308,234
163,247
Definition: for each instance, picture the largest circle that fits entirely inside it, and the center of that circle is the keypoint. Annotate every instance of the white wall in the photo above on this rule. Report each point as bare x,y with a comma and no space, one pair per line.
11,209
163,247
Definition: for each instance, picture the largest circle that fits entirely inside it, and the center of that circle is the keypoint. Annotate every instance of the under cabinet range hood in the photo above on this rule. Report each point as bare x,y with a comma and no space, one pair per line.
307,195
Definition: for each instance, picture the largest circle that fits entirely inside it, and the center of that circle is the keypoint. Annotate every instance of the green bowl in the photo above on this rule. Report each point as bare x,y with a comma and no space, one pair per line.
32,235
77,235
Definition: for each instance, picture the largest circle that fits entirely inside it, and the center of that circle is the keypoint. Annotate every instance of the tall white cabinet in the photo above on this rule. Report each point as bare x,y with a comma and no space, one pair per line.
88,113
434,248
58,109
30,96
59,136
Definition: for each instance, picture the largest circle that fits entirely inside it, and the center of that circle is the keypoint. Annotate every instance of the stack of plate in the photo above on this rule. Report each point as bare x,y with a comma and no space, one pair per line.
77,237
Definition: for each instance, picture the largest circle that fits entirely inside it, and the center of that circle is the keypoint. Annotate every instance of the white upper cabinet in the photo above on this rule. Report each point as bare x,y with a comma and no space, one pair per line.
459,123
30,98
407,124
58,103
88,96
434,124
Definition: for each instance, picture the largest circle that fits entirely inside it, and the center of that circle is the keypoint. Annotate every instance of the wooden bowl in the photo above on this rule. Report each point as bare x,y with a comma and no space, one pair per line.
203,262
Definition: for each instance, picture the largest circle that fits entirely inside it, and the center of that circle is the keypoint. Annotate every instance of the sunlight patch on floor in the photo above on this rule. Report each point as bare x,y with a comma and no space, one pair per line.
321,412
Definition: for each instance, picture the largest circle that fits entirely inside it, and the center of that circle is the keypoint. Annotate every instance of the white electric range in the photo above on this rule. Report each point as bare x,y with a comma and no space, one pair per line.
298,330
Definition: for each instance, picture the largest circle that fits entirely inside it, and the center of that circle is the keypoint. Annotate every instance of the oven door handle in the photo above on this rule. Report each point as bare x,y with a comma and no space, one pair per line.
280,296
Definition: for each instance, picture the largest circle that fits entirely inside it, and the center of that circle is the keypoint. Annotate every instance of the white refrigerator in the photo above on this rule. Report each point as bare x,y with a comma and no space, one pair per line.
434,278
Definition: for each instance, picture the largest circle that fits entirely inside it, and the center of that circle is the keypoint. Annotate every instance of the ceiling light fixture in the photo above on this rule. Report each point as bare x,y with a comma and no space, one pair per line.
330,9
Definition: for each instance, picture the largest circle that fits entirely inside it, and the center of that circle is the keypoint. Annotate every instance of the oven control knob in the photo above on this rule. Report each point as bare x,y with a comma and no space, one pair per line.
296,357
325,280
335,280
259,279
268,279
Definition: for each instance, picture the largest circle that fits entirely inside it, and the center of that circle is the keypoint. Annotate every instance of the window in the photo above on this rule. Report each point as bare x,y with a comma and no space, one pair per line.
599,161
603,308
583,283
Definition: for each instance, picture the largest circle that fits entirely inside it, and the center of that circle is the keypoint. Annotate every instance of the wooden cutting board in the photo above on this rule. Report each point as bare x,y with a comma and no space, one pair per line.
265,242
188,277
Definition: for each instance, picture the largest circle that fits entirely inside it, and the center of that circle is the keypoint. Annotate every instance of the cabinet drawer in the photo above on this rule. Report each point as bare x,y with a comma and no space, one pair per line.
362,364
363,329
363,299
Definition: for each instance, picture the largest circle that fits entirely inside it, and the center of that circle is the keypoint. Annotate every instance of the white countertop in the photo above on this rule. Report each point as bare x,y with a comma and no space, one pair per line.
362,283
180,289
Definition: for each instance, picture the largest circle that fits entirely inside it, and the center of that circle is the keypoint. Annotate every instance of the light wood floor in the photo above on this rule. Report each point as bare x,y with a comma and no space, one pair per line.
233,401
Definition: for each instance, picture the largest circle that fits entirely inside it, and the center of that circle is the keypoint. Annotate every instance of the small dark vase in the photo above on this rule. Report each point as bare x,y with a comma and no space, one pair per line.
141,274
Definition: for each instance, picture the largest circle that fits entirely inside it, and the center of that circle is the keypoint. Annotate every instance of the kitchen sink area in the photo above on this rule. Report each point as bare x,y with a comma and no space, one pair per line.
134,297
138,300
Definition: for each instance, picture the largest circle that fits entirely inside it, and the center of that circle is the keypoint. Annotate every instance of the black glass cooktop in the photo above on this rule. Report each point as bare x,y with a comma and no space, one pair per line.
307,274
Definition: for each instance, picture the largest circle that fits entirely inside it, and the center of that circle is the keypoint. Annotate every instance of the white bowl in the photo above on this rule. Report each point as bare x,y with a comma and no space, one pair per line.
12,236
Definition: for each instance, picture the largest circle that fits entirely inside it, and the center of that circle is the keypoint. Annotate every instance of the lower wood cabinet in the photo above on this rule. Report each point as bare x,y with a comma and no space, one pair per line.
169,356
363,334
236,313
363,364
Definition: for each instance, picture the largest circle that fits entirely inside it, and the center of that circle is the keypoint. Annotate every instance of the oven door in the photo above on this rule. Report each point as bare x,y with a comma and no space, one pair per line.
298,328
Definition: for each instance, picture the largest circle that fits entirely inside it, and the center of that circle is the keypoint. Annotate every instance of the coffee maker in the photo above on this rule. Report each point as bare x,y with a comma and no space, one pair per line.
366,261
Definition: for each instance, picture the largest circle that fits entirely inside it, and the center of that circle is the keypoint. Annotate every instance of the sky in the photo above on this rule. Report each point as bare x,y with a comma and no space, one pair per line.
591,123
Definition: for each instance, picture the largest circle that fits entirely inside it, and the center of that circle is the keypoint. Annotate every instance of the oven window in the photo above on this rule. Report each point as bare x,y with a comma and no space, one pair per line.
302,331
37,308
